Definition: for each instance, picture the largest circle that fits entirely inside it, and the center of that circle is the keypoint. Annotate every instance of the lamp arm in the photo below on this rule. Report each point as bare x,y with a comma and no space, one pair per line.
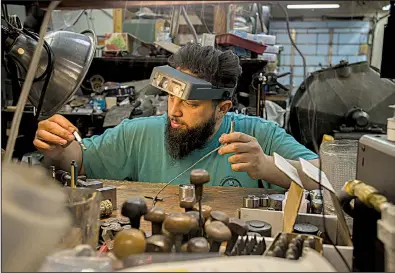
28,84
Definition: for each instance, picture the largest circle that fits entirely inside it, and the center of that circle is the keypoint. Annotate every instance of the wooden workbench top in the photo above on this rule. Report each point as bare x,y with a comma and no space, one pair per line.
225,199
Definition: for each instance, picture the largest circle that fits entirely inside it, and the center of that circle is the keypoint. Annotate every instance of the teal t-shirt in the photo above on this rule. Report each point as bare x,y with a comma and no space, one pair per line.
135,150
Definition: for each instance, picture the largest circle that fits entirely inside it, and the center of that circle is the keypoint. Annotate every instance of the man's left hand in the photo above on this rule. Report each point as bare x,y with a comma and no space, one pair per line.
248,155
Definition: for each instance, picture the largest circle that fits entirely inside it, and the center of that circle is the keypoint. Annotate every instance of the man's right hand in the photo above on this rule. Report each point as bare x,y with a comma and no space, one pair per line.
53,135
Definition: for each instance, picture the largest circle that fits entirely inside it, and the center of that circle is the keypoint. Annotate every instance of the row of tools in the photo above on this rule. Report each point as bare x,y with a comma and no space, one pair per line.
311,202
199,229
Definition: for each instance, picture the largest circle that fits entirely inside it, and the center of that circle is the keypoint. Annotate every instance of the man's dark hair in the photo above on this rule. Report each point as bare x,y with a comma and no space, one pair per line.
220,68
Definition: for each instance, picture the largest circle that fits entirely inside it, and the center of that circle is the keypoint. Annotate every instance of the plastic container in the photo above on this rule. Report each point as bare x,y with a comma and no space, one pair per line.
34,217
84,205
231,39
339,162
69,261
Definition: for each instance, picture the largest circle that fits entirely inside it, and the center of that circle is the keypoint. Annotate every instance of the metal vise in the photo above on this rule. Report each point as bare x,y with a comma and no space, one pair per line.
108,201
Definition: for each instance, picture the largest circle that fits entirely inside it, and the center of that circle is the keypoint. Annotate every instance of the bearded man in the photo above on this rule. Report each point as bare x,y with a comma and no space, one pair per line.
158,148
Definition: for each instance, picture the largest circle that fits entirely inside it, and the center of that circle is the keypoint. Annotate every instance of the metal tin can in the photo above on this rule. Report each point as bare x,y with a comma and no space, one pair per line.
305,228
276,201
261,227
263,201
187,192
251,202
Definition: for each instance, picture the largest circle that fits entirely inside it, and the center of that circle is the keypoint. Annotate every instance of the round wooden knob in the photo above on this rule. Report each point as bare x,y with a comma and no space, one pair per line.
128,242
184,248
238,226
193,214
158,243
134,208
195,230
166,232
218,231
206,210
155,215
194,223
199,177
198,245
178,223
219,216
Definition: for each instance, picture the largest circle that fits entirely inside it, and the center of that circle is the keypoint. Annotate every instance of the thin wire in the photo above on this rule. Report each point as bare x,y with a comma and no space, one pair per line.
92,20
202,18
88,23
315,145
232,128
74,23
193,165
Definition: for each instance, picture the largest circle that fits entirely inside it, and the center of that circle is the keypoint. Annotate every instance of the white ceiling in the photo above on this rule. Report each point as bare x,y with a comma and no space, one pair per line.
347,8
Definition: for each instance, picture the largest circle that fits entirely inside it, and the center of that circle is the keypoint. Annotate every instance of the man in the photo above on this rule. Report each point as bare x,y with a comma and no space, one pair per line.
157,149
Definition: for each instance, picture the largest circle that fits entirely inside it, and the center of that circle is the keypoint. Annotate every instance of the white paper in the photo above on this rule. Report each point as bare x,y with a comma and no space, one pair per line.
313,172
287,168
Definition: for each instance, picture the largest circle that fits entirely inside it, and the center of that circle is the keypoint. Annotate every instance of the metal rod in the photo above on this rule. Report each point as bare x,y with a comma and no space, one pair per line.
53,170
258,101
74,174
200,218
79,140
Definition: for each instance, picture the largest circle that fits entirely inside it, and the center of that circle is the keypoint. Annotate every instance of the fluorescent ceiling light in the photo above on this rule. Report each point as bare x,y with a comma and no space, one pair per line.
314,6
387,7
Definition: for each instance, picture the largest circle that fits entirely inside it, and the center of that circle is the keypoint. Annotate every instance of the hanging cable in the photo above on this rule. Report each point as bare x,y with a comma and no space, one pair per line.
312,129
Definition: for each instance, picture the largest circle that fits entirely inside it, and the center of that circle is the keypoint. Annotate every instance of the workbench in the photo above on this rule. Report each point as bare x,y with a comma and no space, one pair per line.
225,199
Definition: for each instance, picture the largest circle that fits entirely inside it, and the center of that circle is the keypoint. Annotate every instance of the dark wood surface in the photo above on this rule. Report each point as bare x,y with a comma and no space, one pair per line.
225,199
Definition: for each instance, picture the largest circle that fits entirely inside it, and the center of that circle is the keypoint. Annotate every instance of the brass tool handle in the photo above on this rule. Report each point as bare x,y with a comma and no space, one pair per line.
367,194
74,174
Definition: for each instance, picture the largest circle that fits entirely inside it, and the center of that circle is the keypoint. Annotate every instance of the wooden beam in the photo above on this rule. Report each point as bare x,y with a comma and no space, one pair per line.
98,4
220,19
117,19
330,53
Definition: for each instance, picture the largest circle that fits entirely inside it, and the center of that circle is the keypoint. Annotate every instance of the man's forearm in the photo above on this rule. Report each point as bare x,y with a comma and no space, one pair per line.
273,175
63,161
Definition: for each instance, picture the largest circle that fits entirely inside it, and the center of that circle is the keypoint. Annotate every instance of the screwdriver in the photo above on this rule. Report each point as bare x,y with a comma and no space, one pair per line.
79,140
232,126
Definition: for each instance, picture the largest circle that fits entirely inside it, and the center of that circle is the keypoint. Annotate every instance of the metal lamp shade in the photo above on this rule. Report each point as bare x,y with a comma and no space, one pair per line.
73,54
335,91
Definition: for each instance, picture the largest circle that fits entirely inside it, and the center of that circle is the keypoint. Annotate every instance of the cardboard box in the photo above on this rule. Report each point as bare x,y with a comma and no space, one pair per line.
273,49
118,42
268,57
208,39
260,38
264,39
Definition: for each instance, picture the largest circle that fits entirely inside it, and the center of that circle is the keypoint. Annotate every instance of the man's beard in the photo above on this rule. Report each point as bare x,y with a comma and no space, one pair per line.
181,142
